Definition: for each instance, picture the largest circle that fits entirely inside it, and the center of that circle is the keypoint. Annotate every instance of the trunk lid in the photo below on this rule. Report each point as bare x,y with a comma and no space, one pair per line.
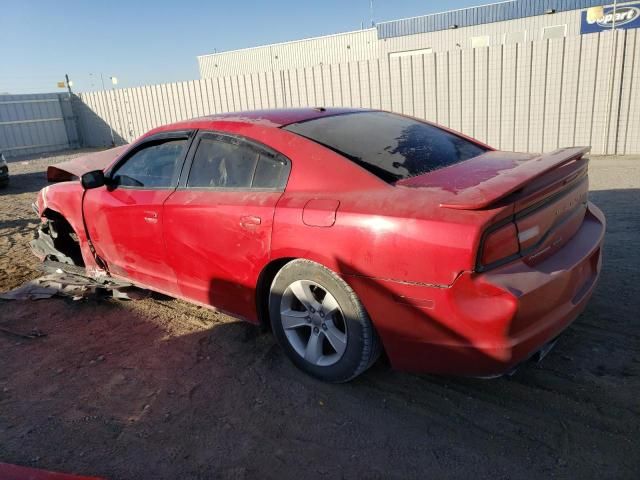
545,197
481,181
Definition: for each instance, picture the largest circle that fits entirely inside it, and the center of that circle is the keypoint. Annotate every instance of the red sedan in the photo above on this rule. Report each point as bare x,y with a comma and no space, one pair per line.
348,232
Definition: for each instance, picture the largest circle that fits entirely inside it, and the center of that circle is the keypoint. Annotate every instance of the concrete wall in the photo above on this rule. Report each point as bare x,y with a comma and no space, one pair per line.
535,96
37,123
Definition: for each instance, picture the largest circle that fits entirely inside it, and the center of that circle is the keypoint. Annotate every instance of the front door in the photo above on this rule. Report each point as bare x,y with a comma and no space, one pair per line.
217,224
124,219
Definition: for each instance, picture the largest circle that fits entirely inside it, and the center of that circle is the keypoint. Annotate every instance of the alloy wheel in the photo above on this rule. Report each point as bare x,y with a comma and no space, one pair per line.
313,323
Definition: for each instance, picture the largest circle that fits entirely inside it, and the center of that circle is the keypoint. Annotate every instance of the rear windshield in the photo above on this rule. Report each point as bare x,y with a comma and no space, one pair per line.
390,146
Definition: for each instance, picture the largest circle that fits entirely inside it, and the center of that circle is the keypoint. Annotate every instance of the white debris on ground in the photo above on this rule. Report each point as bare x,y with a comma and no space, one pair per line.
74,286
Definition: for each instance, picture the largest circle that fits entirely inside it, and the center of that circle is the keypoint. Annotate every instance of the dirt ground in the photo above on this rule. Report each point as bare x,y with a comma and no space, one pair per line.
158,388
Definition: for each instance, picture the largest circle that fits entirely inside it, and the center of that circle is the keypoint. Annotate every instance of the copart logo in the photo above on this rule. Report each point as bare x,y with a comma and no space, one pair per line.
623,16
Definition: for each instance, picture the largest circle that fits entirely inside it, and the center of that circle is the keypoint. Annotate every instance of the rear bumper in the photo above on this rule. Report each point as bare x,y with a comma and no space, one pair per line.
486,324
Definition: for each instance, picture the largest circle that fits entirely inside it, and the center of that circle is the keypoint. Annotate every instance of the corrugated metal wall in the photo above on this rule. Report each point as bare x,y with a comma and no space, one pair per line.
535,96
494,21
483,14
343,47
36,123
444,40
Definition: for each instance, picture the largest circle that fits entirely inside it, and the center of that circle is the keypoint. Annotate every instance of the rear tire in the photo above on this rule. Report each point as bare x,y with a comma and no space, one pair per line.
320,323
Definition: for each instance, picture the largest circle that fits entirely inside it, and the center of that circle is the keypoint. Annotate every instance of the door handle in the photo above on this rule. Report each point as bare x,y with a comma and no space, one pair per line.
151,217
250,221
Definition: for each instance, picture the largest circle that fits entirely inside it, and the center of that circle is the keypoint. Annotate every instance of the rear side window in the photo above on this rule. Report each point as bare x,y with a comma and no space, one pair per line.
390,146
271,172
222,162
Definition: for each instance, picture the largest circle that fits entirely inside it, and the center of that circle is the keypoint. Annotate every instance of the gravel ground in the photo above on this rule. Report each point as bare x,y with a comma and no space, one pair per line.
158,388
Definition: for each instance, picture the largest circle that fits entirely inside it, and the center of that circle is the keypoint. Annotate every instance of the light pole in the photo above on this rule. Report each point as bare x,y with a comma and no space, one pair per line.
371,12
68,83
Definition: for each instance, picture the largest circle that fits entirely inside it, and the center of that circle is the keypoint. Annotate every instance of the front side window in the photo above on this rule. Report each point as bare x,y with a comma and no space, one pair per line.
221,162
153,166
392,147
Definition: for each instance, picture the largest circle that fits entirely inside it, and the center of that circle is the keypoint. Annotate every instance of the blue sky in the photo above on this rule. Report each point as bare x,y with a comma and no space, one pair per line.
145,42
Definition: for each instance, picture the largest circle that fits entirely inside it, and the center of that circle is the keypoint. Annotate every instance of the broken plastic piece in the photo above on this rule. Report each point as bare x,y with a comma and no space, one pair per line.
73,285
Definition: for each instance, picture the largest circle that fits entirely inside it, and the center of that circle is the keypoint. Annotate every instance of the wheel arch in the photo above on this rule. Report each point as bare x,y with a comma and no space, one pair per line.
367,347
263,287
53,214
64,237
269,272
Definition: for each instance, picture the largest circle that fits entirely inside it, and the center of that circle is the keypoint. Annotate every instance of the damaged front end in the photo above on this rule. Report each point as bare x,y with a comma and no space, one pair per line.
55,240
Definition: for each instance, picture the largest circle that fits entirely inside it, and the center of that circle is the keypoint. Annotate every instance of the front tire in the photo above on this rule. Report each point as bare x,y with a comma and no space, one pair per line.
320,323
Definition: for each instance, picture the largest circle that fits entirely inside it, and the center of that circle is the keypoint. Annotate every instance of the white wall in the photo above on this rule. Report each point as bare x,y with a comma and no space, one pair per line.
532,97
365,45
343,47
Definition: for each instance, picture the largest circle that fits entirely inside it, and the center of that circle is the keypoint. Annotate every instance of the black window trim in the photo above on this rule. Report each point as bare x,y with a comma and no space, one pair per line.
226,136
161,137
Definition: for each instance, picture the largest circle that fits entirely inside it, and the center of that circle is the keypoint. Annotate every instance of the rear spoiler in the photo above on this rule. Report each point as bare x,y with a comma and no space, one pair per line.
504,184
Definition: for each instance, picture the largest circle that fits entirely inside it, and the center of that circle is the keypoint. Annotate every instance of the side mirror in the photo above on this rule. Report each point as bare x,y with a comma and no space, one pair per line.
93,179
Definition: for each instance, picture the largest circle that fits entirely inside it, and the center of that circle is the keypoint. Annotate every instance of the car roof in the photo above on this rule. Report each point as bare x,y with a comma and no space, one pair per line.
276,117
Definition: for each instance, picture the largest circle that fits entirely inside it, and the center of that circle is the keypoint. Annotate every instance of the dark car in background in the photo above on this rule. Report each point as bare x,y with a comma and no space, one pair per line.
4,171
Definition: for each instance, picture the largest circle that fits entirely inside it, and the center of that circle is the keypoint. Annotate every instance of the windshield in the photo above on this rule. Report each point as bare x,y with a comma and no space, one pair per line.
390,146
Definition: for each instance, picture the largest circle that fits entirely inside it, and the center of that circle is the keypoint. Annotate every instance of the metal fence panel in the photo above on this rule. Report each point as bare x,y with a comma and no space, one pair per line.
37,123
534,96
629,119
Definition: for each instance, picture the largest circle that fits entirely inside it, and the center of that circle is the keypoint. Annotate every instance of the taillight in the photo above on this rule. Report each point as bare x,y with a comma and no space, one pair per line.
500,244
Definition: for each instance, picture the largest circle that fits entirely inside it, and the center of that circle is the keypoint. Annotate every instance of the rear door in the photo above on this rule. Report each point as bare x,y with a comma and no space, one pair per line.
217,224
124,219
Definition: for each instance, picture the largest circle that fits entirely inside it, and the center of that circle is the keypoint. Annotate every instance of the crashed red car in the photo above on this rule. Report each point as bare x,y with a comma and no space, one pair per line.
348,232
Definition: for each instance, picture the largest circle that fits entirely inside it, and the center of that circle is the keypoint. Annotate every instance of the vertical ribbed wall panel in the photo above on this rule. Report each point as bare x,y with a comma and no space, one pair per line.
508,96
553,93
495,102
455,88
468,91
406,85
614,94
534,96
419,86
570,88
318,85
605,75
36,123
538,89
523,97
586,91
629,123
480,91
442,88
376,83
